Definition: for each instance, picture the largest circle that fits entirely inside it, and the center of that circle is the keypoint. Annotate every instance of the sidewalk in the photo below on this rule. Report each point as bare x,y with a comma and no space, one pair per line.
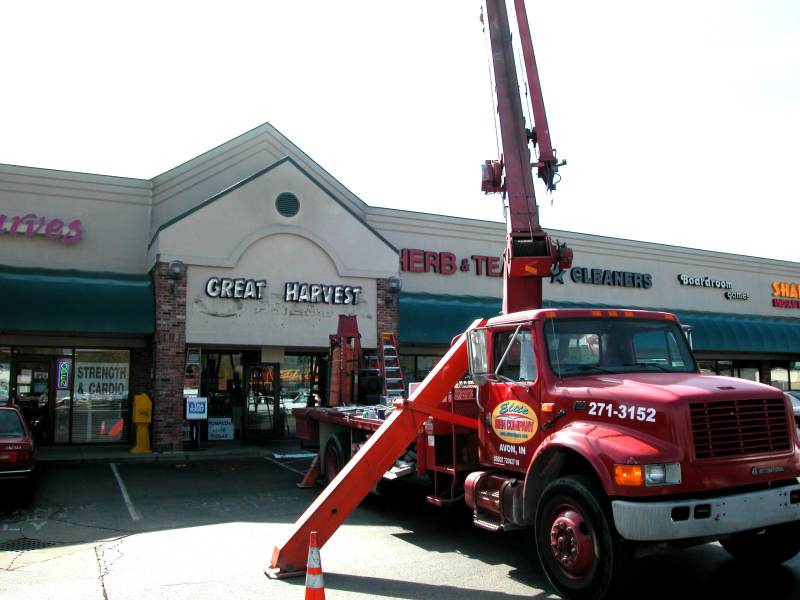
207,452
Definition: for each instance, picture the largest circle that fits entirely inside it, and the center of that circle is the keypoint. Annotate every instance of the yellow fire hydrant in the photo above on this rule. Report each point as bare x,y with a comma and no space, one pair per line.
142,417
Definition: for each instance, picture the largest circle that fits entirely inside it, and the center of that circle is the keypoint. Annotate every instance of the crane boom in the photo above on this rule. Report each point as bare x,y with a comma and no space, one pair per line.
530,253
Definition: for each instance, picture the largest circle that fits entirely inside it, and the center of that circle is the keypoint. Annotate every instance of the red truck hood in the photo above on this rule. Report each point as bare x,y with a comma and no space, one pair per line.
661,387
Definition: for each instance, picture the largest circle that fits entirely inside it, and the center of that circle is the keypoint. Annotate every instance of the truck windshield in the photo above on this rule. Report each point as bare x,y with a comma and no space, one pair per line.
604,345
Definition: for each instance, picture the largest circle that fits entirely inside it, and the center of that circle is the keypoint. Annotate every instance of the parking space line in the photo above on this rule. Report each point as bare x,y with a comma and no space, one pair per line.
280,464
131,508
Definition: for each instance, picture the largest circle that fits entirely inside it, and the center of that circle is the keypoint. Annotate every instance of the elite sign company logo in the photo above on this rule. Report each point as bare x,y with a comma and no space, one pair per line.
514,422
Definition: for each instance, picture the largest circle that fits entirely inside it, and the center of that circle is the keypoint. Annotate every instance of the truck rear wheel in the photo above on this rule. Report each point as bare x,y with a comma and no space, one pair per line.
337,453
772,545
580,552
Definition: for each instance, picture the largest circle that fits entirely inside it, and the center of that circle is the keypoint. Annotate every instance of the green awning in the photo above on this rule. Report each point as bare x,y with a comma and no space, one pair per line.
436,319
39,300
742,333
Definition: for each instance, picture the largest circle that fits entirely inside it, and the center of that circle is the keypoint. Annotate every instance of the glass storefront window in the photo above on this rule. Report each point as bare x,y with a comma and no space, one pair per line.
779,378
40,350
708,367
407,366
794,375
424,366
101,396
725,367
299,375
750,373
5,375
221,379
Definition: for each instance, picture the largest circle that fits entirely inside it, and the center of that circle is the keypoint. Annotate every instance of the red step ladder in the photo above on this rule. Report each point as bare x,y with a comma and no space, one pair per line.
392,373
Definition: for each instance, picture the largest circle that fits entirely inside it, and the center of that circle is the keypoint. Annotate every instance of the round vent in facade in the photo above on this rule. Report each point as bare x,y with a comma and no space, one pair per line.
287,204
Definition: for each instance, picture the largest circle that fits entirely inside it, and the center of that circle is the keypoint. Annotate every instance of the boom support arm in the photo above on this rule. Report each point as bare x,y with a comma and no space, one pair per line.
375,457
530,253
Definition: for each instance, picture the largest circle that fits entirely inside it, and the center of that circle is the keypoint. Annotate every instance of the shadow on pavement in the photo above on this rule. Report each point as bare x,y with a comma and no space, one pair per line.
83,504
376,587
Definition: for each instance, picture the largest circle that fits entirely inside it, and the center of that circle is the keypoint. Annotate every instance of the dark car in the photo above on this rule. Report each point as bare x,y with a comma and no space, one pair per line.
16,447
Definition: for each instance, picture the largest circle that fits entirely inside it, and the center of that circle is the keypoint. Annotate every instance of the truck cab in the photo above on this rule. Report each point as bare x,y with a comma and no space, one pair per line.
598,430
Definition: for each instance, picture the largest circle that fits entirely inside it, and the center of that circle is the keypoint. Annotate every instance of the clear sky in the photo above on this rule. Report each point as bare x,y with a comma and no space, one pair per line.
679,120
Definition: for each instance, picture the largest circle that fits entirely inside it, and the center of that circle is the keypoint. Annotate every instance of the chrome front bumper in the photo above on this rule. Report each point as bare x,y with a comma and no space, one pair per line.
653,521
16,473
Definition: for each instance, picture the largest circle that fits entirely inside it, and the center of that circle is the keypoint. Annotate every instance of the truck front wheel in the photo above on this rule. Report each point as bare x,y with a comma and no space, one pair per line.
772,545
580,552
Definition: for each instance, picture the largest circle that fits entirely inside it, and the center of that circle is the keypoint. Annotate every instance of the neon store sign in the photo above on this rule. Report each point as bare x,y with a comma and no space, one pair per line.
785,294
63,368
32,224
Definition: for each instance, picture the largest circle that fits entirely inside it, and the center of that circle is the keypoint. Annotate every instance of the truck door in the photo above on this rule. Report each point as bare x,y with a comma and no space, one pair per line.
510,401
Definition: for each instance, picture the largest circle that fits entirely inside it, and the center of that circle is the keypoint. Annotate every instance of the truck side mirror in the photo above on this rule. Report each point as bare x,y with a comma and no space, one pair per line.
687,331
478,353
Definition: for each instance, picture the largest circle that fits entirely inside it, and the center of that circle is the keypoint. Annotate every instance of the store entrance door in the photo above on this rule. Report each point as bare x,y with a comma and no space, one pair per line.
262,394
33,393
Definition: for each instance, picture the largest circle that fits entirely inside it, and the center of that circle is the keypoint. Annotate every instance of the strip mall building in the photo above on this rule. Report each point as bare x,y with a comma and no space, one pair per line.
225,277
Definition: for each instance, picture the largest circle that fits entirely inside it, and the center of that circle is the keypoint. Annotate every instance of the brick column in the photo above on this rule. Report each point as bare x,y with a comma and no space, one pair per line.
141,370
169,358
141,383
388,305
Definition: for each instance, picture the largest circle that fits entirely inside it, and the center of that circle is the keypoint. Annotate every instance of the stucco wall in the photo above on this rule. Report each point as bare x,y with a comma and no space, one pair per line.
185,186
114,215
241,234
663,264
271,320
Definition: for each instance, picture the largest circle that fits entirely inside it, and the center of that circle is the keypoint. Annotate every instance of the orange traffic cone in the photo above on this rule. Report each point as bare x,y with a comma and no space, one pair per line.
315,586
310,479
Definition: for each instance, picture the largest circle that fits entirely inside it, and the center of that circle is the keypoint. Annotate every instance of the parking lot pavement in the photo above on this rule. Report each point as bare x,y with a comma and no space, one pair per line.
207,530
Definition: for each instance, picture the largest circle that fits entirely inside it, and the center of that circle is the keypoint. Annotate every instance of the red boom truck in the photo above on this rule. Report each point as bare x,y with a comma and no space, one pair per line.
592,428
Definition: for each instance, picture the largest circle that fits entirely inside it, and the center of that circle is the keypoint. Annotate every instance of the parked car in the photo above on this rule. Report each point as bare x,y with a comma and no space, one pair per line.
17,449
300,400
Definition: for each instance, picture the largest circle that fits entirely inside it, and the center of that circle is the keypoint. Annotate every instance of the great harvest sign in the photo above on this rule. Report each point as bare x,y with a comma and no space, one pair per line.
102,379
32,224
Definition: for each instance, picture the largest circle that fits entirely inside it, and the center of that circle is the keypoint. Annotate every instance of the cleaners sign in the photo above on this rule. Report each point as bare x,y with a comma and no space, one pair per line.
102,379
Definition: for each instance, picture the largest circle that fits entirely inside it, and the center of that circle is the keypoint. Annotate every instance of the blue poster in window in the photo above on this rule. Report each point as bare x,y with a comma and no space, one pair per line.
196,408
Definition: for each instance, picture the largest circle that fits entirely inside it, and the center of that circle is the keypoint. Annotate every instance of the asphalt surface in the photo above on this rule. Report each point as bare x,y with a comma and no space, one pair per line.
207,530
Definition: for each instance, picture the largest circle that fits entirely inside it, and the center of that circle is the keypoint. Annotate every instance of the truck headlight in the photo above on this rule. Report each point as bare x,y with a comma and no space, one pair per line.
662,474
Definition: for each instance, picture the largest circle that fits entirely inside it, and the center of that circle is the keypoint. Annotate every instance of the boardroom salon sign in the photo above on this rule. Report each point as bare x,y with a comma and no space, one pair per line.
704,281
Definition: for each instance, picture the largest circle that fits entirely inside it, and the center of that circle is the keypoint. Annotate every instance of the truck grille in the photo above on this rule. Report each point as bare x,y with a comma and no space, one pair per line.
739,427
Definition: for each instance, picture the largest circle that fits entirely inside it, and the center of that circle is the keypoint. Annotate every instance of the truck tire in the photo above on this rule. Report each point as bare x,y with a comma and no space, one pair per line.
579,550
337,453
772,545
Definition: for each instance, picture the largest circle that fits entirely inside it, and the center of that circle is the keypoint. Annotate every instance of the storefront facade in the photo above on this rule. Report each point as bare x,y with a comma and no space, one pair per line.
224,278
262,299
743,310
